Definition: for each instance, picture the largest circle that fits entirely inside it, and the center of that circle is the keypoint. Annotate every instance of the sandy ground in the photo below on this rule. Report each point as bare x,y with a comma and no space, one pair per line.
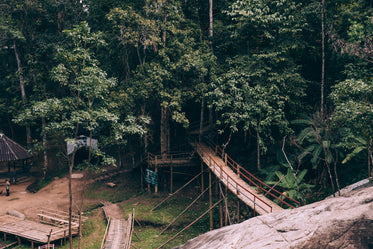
53,196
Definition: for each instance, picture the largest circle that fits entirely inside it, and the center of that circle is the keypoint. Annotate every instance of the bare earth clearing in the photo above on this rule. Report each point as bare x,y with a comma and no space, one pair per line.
54,196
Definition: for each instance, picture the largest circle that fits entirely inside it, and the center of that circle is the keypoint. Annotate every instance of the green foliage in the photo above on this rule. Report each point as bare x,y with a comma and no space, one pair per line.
148,55
353,115
293,184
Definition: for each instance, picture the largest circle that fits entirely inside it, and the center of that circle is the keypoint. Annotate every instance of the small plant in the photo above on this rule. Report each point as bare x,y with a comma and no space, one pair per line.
294,187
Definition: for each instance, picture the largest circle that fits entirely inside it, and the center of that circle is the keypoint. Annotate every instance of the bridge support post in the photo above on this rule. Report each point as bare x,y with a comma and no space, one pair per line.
171,178
210,195
226,205
202,183
156,171
238,210
221,215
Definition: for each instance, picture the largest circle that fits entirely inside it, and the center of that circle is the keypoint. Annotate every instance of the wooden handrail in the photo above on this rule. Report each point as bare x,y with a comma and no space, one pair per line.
250,177
237,184
105,235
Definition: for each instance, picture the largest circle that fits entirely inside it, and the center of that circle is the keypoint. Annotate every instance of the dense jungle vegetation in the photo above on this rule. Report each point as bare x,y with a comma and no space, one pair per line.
286,84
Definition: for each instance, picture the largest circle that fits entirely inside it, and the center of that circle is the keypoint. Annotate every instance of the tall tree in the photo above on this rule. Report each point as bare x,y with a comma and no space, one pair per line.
85,105
266,32
322,57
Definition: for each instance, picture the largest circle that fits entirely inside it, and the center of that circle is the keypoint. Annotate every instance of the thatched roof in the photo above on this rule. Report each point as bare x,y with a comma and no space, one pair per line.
11,151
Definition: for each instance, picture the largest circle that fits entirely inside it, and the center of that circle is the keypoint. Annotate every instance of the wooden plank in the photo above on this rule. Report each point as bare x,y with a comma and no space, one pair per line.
54,219
30,230
235,184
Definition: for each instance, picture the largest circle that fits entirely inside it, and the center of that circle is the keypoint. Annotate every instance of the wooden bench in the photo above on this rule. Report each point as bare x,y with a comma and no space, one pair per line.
53,220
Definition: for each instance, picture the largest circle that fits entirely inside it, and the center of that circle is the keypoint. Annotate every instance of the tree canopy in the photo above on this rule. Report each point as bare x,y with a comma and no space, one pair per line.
136,74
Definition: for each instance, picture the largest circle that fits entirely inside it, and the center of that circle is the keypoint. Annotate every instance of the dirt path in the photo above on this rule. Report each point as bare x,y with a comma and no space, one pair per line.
54,196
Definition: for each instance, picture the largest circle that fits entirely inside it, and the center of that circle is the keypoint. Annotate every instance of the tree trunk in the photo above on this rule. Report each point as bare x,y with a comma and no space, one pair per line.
23,92
322,57
164,131
370,159
211,32
71,199
258,148
60,21
71,165
201,118
45,152
164,23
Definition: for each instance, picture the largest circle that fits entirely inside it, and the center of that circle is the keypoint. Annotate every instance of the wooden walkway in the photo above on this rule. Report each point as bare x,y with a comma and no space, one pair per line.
119,232
175,159
257,201
32,231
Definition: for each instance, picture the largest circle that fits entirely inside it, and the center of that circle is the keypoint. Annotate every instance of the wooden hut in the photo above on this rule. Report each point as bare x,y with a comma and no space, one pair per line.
11,153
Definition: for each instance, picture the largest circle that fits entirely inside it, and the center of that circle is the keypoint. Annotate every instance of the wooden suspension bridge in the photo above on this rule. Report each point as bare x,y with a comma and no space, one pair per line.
259,196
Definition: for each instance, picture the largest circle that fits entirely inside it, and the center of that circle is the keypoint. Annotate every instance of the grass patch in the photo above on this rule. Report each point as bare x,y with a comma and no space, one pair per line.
126,188
13,199
153,222
38,184
93,231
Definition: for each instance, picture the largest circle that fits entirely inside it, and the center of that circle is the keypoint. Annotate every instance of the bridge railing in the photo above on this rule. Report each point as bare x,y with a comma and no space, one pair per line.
169,157
237,186
252,180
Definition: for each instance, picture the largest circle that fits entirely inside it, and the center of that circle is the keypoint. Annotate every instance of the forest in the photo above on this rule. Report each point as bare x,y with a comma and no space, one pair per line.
285,86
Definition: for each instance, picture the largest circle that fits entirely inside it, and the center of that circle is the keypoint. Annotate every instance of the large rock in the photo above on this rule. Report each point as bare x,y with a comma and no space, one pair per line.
17,214
341,222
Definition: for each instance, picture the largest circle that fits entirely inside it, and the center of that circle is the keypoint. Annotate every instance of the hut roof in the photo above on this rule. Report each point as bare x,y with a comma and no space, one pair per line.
11,151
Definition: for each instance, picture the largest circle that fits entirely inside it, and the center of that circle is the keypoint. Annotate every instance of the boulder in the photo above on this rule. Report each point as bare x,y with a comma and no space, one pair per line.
340,222
15,213
111,185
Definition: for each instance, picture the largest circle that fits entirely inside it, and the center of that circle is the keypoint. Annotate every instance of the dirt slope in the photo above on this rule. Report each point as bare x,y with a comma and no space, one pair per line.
54,196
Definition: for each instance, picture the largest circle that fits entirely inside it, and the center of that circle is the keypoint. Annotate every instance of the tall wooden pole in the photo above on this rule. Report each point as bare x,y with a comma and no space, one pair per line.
156,186
202,183
221,214
226,205
210,194
172,179
322,57
238,211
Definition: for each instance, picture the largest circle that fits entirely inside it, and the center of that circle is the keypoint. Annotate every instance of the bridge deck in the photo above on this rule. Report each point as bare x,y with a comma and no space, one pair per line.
31,230
120,230
258,202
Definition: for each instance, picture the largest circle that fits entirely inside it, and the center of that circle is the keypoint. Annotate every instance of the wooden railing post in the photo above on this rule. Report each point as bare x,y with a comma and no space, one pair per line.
254,205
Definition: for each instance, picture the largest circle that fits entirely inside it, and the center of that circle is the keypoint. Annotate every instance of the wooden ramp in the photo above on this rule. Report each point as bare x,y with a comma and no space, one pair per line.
119,232
249,195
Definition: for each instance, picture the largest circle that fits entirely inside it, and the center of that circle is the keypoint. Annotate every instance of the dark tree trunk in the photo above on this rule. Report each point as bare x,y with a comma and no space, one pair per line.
45,146
23,92
211,20
322,57
165,131
201,118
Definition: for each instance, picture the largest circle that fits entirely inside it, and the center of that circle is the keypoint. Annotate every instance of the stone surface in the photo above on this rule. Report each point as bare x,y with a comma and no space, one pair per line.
17,214
340,222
